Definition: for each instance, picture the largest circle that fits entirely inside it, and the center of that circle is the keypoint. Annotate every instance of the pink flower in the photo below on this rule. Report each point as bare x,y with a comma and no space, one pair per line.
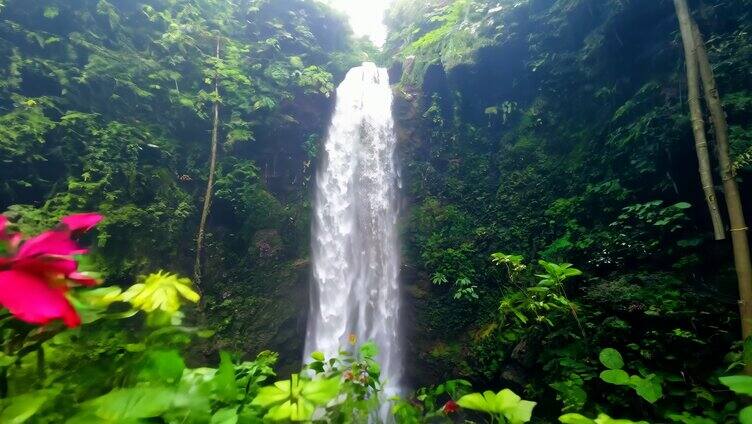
49,243
31,299
82,221
450,407
35,278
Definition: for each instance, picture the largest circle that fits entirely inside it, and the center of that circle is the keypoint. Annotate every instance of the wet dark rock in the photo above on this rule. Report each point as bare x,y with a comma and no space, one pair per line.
514,373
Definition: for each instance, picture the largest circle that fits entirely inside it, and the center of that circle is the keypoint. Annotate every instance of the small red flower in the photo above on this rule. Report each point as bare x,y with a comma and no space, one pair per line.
450,407
36,275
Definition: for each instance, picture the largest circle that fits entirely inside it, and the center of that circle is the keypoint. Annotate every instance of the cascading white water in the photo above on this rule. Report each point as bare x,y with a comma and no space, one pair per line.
355,250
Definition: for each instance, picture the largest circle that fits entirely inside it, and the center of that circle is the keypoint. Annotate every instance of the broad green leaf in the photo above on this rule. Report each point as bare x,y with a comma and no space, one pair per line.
605,419
493,404
521,413
745,415
100,297
320,392
611,358
506,400
369,350
294,411
225,385
280,412
225,416
88,417
317,366
270,395
164,366
648,388
618,377
21,408
602,419
571,392
139,402
319,356
687,418
475,402
575,419
740,384
374,367
295,399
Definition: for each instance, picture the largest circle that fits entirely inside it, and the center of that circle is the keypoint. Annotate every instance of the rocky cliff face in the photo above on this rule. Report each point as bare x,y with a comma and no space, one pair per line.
258,269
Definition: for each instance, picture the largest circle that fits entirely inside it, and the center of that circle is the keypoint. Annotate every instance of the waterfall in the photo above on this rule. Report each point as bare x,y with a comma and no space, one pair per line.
355,254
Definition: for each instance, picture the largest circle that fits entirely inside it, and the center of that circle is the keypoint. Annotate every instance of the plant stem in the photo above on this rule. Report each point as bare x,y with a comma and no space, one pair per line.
210,182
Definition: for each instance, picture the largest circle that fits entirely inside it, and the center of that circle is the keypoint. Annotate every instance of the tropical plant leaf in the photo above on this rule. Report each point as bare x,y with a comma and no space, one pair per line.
618,377
133,403
611,358
21,408
740,384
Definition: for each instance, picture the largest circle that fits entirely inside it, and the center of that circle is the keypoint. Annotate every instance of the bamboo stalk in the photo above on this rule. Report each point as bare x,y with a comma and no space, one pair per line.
739,238
698,124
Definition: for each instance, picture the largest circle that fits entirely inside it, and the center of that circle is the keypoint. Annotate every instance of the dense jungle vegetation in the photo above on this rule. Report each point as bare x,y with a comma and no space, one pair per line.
560,263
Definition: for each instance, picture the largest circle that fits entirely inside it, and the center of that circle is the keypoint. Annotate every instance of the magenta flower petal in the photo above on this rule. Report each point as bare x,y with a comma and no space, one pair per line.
82,279
30,299
56,243
47,266
82,221
3,224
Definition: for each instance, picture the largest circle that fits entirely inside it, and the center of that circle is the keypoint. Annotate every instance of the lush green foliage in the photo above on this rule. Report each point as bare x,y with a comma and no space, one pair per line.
113,372
555,130
104,105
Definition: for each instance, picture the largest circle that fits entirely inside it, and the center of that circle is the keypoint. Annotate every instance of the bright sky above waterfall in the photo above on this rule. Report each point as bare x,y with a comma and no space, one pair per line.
366,17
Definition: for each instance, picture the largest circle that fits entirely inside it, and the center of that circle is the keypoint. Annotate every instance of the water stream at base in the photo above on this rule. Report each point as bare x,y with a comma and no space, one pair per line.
355,256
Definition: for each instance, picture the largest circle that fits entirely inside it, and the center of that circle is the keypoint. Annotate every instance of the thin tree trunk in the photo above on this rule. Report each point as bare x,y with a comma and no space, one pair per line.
698,124
210,182
730,188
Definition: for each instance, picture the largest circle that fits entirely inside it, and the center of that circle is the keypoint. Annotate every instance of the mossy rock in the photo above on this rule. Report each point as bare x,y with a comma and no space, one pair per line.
266,245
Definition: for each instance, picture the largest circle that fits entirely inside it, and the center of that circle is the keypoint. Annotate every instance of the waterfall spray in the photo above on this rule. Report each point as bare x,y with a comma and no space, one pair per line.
355,248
